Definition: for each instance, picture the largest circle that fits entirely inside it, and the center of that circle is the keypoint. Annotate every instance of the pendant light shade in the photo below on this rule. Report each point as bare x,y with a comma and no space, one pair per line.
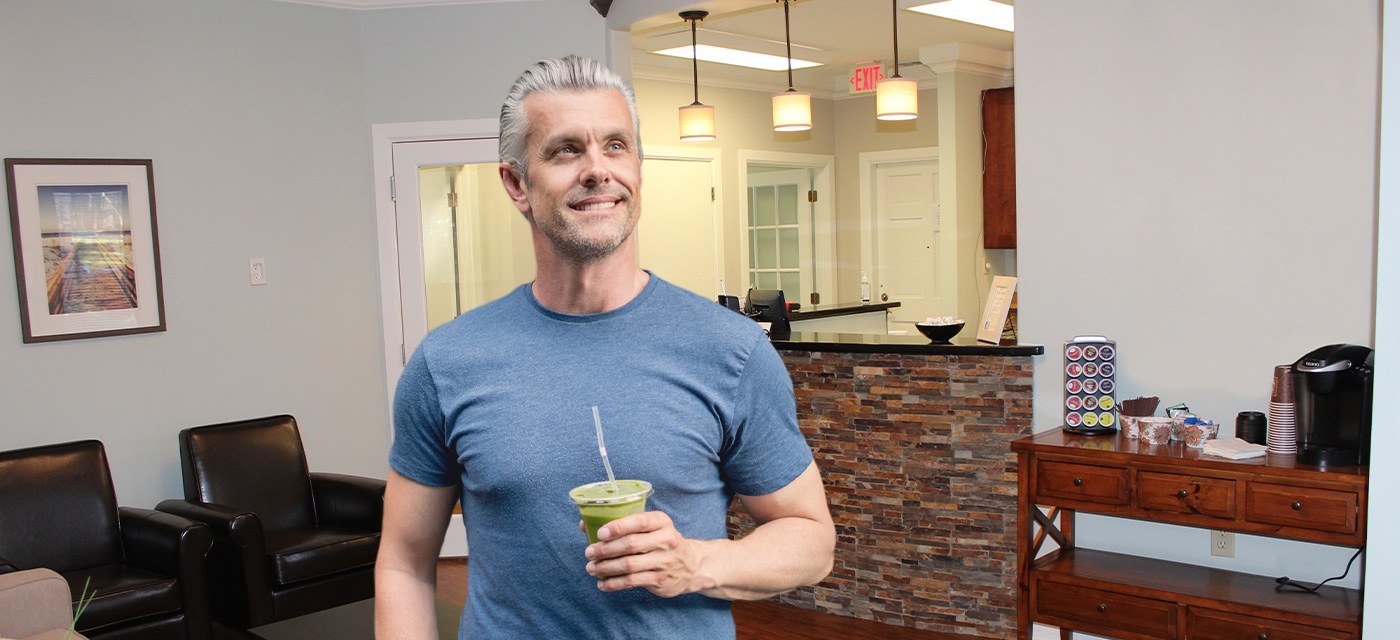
792,109
697,121
896,98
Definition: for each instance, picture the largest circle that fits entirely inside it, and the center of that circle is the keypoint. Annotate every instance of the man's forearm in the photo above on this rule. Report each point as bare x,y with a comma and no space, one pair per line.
403,605
777,557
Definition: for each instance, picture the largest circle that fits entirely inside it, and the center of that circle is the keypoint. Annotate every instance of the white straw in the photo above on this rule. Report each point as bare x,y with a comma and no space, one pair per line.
602,450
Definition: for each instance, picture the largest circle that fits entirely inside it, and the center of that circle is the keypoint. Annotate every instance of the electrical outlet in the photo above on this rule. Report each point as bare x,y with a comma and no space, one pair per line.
257,271
1222,543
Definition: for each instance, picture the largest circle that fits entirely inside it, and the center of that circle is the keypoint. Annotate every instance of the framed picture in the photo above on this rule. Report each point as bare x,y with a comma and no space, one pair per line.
994,314
87,259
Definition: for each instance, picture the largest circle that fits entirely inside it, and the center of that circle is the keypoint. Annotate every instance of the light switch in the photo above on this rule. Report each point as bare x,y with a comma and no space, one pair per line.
257,271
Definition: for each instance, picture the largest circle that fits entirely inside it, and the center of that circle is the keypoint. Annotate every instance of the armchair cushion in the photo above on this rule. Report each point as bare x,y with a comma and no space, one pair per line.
124,593
313,553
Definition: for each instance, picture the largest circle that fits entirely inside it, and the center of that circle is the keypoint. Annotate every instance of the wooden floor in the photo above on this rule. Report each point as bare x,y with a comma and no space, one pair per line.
762,620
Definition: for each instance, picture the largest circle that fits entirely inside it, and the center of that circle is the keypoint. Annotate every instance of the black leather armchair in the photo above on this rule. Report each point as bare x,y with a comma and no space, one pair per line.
287,542
58,509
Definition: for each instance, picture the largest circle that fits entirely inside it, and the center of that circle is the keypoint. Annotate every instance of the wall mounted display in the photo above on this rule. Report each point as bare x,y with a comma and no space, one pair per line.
87,260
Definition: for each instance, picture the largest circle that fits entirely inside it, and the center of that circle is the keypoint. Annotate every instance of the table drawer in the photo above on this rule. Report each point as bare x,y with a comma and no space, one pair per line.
1103,612
1302,507
1178,493
1205,624
1087,482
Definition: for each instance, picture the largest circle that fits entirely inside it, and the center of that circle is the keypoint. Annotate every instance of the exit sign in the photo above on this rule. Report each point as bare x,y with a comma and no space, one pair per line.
864,78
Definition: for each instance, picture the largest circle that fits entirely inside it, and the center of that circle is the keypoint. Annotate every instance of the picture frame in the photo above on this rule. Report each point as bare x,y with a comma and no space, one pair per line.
994,314
87,254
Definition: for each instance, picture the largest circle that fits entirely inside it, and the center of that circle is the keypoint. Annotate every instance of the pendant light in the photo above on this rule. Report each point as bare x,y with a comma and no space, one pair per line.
792,109
697,120
896,98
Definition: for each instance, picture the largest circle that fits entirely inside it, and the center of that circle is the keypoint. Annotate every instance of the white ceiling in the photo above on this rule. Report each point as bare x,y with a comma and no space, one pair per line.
840,33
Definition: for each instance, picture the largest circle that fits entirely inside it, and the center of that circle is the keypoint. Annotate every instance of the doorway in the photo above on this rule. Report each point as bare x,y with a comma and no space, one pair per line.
787,225
901,228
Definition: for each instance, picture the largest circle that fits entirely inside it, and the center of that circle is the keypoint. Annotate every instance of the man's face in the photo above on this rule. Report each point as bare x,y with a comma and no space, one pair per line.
583,185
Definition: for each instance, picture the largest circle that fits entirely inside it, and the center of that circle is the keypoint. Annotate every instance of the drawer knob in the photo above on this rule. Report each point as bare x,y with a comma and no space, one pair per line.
1263,636
1102,608
1297,506
1078,481
1181,493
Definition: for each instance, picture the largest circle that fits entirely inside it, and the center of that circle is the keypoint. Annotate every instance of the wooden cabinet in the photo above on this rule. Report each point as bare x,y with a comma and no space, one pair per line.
999,168
1140,598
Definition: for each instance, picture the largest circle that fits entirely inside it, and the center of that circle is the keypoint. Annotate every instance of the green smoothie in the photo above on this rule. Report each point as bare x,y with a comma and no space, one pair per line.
601,502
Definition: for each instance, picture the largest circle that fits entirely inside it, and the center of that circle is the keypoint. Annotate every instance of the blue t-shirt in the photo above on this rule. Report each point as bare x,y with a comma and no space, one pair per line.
693,399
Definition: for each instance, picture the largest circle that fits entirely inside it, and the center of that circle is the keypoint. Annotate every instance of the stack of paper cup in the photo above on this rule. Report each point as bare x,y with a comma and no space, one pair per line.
1282,431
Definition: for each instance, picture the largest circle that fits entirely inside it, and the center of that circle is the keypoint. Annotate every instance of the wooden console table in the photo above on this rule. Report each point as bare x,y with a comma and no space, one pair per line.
1138,598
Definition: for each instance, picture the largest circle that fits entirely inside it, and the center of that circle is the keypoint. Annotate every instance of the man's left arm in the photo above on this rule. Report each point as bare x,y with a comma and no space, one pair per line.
792,546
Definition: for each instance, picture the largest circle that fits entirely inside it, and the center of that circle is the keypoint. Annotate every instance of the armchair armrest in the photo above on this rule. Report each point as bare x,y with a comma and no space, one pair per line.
171,545
348,501
240,527
163,542
237,561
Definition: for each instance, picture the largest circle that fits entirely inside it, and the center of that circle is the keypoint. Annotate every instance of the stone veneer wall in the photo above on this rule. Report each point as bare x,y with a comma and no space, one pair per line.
914,451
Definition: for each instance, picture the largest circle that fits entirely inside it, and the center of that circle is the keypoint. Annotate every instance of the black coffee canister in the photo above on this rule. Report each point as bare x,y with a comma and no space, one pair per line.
1252,426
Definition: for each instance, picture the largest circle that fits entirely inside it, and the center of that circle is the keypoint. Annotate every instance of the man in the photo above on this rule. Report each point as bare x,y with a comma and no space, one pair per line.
497,404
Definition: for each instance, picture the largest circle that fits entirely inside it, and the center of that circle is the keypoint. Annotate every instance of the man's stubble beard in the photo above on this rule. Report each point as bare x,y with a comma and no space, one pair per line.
571,241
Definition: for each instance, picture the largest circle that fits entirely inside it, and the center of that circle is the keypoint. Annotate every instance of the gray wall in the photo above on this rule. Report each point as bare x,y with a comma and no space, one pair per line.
257,116
455,62
1198,182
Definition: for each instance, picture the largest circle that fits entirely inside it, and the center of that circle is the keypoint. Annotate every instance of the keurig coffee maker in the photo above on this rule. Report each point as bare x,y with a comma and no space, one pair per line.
1332,394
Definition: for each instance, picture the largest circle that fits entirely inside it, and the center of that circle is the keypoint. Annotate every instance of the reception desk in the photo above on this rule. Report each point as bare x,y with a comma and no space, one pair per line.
843,317
913,441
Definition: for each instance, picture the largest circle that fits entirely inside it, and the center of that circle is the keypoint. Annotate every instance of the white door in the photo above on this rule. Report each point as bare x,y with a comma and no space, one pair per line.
458,235
906,239
678,236
780,232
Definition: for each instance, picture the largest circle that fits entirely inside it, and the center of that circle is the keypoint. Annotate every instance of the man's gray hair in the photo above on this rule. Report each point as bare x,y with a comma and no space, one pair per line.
553,75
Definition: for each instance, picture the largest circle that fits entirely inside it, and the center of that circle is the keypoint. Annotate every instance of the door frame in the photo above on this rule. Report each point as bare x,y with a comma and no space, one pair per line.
383,137
823,215
868,162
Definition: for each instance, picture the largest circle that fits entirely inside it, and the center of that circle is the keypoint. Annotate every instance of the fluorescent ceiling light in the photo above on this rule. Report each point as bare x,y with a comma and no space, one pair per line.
738,58
987,13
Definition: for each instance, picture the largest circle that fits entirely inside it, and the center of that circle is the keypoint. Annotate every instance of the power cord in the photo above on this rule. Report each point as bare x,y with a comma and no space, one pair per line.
1285,583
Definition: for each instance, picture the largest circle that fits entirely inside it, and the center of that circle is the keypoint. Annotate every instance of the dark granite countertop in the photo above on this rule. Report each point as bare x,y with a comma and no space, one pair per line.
815,311
962,345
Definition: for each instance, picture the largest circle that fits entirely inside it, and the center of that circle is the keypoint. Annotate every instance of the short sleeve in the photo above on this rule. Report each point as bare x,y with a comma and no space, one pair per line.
766,449
420,451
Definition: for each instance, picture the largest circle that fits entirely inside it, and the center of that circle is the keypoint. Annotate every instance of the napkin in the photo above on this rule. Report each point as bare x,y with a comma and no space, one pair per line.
1233,449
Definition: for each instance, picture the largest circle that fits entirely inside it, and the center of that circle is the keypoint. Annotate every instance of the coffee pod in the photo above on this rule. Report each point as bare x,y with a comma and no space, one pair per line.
1252,427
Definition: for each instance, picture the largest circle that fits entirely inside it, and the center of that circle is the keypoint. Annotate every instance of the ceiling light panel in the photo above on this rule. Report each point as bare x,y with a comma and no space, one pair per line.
987,13
737,57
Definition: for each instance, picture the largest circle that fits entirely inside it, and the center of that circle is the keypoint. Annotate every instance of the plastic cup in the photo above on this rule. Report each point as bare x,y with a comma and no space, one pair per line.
601,502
